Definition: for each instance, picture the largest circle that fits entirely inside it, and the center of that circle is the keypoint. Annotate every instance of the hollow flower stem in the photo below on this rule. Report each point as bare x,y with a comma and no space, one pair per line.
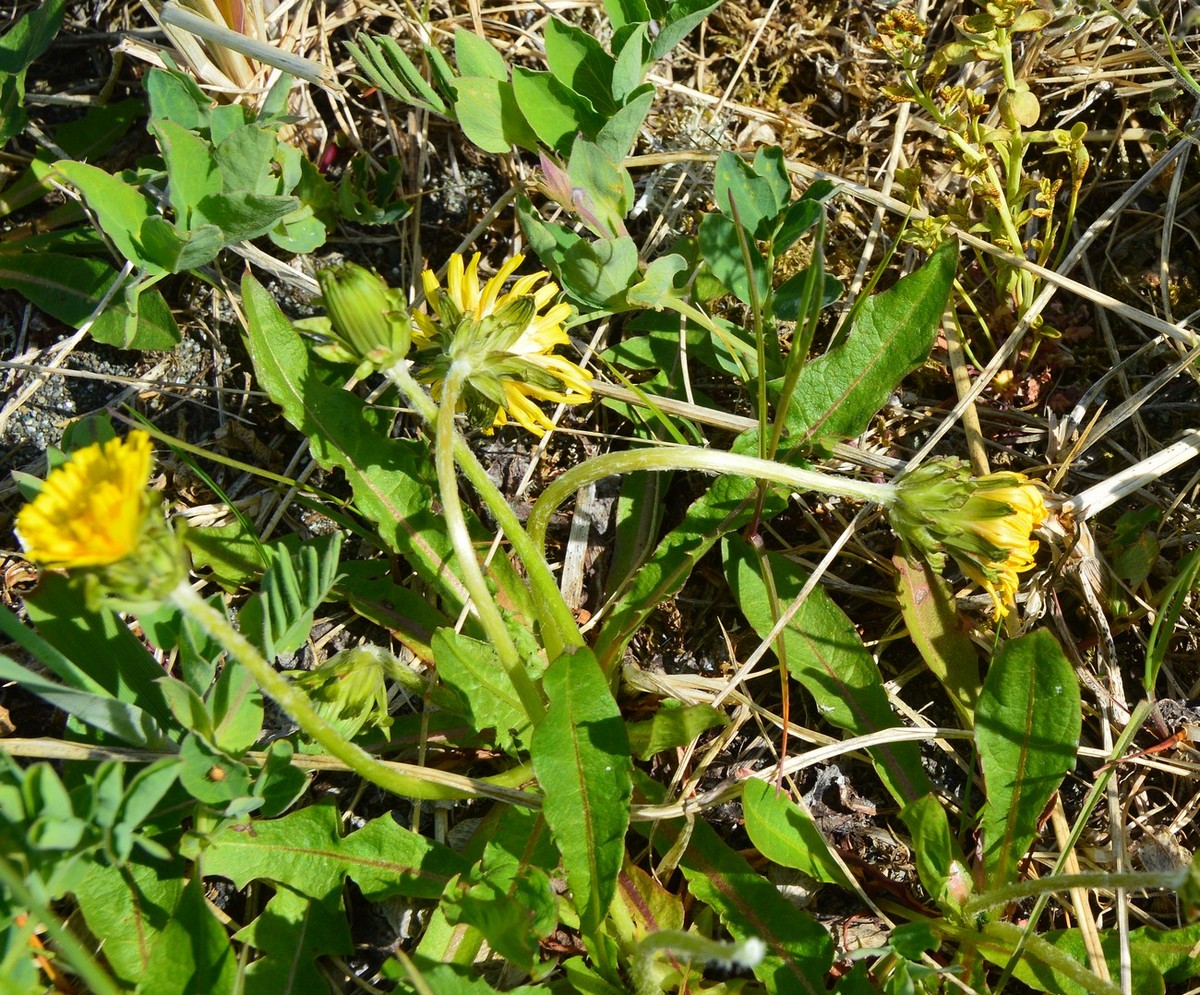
694,458
464,548
558,627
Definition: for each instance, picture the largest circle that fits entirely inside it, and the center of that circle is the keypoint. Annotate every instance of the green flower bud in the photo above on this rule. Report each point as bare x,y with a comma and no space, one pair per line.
368,321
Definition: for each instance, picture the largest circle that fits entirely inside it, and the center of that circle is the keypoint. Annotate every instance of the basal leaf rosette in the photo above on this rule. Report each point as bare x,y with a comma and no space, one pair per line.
985,523
95,514
504,338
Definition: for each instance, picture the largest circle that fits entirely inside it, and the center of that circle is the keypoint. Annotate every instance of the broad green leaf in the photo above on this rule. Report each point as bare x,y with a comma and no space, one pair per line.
305,852
579,61
792,299
682,17
476,56
581,758
99,643
472,669
198,773
225,119
290,934
722,250
1156,957
658,283
625,12
650,903
674,725
745,197
279,784
452,979
138,319
176,250
826,654
231,554
176,97
391,478
13,117
120,209
368,587
799,950
146,790
30,38
1039,963
785,833
629,67
191,171
86,138
549,241
599,272
620,131
127,909
555,112
243,215
66,287
193,953
938,632
524,837
243,159
769,165
236,704
123,720
838,393
1027,727
802,215
935,850
512,904
187,706
488,114
20,46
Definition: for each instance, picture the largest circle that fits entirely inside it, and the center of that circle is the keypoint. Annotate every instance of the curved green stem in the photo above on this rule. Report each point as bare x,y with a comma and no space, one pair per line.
1109,881
694,458
558,627
464,548
296,704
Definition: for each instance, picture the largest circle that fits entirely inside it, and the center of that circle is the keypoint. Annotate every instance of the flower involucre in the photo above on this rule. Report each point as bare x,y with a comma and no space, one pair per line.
505,339
985,523
92,509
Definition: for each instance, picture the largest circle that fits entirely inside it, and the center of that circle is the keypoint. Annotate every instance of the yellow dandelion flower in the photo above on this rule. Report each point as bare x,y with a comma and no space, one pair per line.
506,337
985,523
91,510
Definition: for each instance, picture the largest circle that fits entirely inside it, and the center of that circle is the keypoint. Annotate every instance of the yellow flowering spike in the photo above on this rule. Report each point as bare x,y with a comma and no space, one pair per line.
505,337
985,523
91,510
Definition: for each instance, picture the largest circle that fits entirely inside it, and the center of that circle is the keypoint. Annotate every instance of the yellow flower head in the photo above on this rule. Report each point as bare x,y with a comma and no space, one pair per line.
91,510
507,339
985,523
